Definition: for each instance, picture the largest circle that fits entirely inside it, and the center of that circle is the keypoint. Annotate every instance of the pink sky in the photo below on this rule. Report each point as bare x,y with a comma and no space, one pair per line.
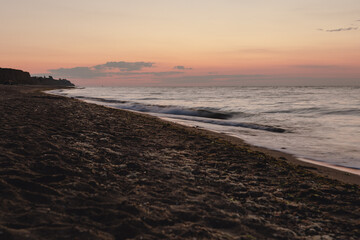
184,43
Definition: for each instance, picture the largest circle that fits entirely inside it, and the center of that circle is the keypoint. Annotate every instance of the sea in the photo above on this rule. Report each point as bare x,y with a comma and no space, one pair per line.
316,124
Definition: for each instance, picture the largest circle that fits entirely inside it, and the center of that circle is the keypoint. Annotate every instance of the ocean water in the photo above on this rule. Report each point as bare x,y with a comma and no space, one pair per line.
315,123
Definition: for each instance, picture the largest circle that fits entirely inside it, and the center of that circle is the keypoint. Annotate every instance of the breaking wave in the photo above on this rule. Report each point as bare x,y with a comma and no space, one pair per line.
174,110
235,124
204,115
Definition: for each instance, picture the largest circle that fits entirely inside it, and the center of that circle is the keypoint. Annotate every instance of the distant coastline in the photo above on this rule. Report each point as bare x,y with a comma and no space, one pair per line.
11,76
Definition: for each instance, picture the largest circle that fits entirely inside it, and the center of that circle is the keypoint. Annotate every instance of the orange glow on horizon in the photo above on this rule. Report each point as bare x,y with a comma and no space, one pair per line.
283,38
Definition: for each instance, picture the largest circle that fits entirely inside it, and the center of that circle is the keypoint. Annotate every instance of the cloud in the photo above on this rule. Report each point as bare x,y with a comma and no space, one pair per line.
257,50
182,68
214,78
125,66
166,73
258,80
77,72
339,29
109,69
314,66
145,73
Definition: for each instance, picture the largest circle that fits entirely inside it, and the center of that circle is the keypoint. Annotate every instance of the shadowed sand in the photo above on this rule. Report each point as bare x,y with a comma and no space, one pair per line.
72,170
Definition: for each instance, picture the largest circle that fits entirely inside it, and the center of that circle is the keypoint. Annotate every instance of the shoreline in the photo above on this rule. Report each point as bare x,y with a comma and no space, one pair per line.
76,170
339,173
344,174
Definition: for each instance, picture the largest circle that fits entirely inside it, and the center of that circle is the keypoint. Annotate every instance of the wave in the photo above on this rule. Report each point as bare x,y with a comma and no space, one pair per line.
148,98
204,115
351,111
297,110
235,124
319,111
175,110
100,99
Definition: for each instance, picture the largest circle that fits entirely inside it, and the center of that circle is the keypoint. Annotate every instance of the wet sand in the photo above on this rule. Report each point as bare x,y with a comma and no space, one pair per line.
72,170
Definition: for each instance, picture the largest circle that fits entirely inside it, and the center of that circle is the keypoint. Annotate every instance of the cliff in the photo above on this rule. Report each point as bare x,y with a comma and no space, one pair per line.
14,77
51,81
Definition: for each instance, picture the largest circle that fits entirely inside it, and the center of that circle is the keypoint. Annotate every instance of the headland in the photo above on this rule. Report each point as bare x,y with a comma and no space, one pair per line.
10,76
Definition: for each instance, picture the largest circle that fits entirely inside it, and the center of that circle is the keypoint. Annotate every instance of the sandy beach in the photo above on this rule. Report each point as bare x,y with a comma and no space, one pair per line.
73,170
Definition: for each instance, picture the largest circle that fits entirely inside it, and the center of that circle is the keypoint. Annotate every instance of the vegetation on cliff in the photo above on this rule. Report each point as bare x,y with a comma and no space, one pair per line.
13,77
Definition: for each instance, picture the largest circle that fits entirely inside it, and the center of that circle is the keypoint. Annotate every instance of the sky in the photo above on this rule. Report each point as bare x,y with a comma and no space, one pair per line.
184,43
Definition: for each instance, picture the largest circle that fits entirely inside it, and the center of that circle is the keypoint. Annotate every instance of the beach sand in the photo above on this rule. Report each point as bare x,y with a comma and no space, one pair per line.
73,170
